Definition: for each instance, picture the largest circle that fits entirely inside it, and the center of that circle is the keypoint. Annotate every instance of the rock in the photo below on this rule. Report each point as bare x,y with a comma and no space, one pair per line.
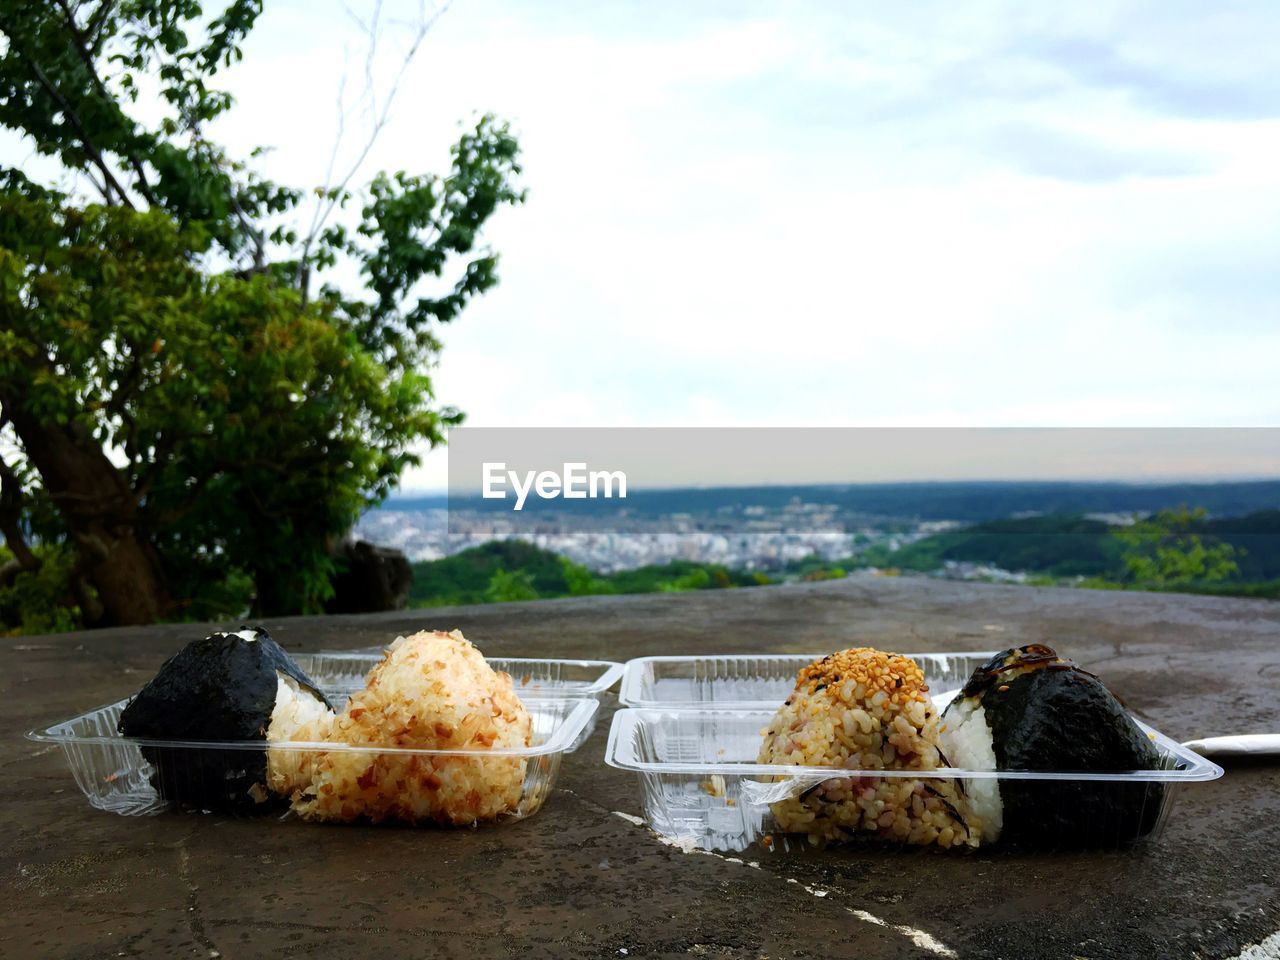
370,578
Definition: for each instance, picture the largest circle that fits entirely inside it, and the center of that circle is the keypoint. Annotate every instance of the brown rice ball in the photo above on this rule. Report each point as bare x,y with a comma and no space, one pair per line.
432,691
866,710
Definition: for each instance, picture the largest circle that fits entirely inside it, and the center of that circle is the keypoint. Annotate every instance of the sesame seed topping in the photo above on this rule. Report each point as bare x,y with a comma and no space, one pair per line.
899,678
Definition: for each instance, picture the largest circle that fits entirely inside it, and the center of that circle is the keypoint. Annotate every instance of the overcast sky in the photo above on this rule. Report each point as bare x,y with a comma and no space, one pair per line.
791,214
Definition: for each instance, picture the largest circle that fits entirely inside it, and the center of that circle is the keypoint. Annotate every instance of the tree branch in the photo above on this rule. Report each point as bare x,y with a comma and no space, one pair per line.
96,24
116,404
109,179
11,518
86,57
9,572
192,500
91,609
145,479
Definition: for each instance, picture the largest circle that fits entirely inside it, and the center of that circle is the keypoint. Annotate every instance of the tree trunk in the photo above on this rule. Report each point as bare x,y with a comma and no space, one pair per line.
101,515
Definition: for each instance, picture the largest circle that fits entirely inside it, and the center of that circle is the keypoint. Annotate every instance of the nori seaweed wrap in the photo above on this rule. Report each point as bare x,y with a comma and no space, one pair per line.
235,687
1029,709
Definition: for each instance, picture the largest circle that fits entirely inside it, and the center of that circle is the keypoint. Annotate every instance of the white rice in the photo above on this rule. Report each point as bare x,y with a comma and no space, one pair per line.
966,740
298,715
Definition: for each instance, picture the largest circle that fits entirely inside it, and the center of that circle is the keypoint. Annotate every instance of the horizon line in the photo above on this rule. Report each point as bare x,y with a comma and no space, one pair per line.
1165,481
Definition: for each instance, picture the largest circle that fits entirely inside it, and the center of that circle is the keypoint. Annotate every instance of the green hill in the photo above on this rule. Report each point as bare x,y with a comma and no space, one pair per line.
1256,538
465,577
516,570
1073,546
1059,546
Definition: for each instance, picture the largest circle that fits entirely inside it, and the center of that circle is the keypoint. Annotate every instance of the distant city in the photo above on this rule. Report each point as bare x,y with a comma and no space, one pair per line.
766,529
423,534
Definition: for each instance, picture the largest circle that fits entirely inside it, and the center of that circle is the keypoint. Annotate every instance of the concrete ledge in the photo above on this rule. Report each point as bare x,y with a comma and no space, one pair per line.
581,879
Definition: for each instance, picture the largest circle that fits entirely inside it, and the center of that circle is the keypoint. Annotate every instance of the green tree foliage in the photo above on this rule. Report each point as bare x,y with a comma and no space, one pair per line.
699,579
1164,550
680,575
1256,538
825,573
40,601
489,572
581,582
194,422
507,586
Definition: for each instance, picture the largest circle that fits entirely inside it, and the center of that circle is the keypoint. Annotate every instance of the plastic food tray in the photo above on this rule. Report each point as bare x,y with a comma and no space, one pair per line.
113,774
695,747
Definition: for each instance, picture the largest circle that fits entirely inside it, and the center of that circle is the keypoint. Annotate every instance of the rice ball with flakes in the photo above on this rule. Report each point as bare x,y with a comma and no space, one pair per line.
866,710
432,691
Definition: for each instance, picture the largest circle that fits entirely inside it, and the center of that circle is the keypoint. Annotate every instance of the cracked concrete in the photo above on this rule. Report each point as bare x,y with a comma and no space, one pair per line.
580,880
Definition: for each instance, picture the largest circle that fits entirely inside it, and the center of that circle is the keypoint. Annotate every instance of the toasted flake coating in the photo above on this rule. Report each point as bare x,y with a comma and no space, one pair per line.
431,691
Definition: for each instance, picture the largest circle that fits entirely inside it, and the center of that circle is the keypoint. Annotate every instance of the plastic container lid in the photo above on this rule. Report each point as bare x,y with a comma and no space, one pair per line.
729,682
345,670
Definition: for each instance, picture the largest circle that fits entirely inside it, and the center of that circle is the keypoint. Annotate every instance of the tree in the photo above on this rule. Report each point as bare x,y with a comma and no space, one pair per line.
1164,550
178,405
505,587
581,582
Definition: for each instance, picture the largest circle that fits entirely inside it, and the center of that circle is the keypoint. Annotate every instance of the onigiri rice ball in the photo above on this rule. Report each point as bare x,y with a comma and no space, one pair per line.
868,711
1029,709
233,687
431,691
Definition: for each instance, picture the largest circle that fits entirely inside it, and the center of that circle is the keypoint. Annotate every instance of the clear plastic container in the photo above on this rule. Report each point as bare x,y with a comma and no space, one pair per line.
344,672
695,725
701,786
115,776
742,682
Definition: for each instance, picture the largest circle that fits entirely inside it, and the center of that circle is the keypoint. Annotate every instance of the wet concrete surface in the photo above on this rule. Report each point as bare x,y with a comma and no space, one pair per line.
578,880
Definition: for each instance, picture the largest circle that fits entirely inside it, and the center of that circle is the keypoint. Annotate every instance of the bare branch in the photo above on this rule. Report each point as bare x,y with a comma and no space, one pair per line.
302,277
256,236
101,188
331,192
372,55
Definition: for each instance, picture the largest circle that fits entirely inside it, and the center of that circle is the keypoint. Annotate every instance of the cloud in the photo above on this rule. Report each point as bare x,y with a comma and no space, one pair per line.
1187,79
1046,152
